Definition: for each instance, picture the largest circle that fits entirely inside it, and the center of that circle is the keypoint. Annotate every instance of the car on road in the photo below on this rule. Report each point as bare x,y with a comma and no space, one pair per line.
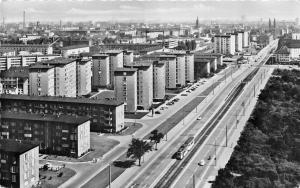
157,112
199,118
183,94
188,91
162,108
201,163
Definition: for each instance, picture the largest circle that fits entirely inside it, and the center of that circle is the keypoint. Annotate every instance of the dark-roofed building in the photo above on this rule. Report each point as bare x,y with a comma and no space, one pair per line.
56,134
283,54
105,115
15,80
19,166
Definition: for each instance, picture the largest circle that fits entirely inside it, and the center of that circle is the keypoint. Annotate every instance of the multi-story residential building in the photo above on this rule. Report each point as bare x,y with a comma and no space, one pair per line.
189,67
83,76
17,61
159,80
202,68
105,115
101,71
238,41
43,48
168,43
180,67
144,83
15,80
245,39
126,87
296,36
65,80
224,44
56,134
19,163
170,67
115,61
74,50
127,57
41,80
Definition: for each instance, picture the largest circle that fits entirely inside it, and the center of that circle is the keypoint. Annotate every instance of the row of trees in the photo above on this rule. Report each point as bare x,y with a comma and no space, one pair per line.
268,151
138,147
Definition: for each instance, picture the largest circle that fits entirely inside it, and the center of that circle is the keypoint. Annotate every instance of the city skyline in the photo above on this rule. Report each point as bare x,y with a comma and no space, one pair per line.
157,11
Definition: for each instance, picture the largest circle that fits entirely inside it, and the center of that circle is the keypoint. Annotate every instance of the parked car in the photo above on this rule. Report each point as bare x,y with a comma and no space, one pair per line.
184,94
201,163
157,112
199,118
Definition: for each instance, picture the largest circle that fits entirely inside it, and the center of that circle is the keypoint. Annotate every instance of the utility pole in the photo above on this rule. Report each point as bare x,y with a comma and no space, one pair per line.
194,181
109,176
226,135
215,153
254,90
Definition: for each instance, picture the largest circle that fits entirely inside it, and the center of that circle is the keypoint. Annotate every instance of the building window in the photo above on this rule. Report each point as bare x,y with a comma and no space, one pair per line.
13,178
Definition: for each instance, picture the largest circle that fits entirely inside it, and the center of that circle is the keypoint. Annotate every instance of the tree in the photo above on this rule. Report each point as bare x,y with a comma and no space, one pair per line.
156,137
137,149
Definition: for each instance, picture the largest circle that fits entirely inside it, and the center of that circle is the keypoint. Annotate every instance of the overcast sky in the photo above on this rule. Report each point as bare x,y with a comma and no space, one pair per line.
162,11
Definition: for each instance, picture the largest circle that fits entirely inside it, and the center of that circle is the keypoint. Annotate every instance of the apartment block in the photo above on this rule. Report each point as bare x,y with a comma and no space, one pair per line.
189,67
105,115
171,69
144,83
41,80
15,80
101,71
224,44
43,48
159,79
115,61
127,57
73,50
83,76
56,134
245,39
6,62
238,41
65,80
180,67
19,163
126,87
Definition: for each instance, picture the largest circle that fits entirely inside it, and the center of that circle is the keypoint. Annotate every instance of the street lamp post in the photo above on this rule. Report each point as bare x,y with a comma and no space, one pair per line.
109,175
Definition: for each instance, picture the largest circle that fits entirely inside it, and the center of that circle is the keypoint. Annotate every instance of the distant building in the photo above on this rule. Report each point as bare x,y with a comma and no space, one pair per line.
101,71
29,37
61,135
74,50
296,36
17,61
238,41
283,55
224,44
127,57
41,80
144,83
168,43
105,115
245,39
43,48
19,163
126,87
15,80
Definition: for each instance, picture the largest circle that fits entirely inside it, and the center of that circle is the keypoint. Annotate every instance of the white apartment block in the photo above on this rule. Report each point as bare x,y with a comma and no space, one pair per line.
224,44
170,67
144,83
126,87
245,39
17,61
74,50
159,79
41,80
101,71
83,77
239,41
189,67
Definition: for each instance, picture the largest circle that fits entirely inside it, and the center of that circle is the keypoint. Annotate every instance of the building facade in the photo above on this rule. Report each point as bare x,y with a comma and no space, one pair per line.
74,50
101,71
83,76
127,57
126,87
189,67
224,44
19,164
41,80
43,48
61,135
15,80
238,41
105,115
159,79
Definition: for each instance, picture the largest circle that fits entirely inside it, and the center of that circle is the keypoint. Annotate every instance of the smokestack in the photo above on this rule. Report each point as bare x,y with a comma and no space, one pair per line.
24,19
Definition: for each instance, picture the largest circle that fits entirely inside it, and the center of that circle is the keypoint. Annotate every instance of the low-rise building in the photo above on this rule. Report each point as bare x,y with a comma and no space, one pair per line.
15,80
19,166
74,50
43,48
105,115
56,134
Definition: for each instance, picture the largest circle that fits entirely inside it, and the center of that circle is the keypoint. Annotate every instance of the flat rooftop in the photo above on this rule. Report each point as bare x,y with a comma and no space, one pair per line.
40,66
15,72
59,61
125,69
18,147
61,99
73,120
75,47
